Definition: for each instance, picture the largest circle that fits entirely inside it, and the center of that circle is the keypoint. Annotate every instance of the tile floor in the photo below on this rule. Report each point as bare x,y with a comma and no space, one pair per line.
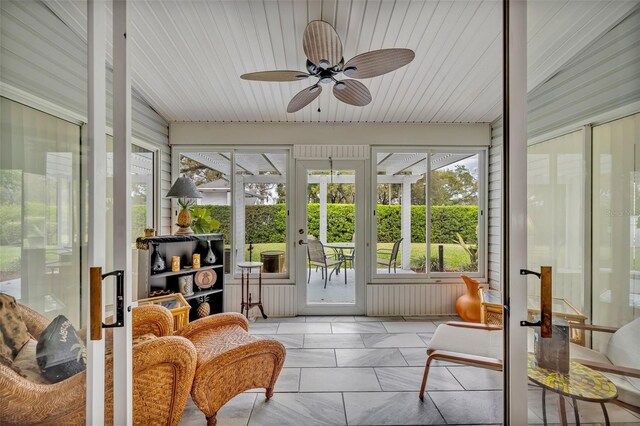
366,371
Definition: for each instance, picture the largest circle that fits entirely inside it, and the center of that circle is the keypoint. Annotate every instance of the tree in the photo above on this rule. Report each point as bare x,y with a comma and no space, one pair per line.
454,187
197,172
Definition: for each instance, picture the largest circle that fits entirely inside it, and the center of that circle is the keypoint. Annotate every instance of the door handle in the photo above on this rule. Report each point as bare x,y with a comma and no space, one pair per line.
546,301
95,301
302,242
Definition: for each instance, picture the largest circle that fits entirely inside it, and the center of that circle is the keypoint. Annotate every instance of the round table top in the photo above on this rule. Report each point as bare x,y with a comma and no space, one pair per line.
345,245
272,253
581,383
250,265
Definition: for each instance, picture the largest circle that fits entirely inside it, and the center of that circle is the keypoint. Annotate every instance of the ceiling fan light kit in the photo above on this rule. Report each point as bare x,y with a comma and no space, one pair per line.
323,48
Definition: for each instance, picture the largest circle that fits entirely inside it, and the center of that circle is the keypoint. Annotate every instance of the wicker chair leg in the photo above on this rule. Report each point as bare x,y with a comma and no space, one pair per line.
269,393
212,421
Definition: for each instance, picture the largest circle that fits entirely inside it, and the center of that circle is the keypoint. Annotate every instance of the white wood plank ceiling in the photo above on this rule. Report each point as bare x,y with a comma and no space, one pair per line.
188,55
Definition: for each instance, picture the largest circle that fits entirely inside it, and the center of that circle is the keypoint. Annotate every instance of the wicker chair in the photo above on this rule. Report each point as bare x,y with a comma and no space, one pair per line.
230,361
163,371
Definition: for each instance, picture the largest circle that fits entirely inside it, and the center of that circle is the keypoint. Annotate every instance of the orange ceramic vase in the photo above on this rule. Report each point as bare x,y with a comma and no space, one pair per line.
468,305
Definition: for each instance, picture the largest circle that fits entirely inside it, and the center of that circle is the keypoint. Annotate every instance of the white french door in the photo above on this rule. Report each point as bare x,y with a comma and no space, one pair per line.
330,209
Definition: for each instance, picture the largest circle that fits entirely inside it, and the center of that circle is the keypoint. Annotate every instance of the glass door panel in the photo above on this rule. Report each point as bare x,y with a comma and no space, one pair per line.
330,237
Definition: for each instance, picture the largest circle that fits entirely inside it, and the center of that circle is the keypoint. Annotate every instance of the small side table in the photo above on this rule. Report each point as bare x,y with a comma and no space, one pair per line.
246,303
582,383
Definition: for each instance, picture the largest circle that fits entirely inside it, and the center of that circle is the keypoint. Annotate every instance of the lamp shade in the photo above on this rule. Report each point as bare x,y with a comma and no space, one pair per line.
184,187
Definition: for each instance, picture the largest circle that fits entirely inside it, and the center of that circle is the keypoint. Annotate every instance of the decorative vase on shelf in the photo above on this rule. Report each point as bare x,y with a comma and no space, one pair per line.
468,305
209,258
157,262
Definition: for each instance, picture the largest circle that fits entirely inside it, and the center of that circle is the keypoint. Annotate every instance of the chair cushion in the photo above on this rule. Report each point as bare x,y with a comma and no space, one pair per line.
624,349
580,352
467,341
13,331
26,365
60,352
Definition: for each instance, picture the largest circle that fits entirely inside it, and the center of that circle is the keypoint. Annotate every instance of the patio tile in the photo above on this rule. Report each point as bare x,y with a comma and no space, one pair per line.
294,409
379,319
333,341
338,380
341,318
263,328
310,358
236,412
474,378
415,357
304,328
590,411
432,318
410,327
370,358
410,378
466,407
357,327
288,340
288,381
426,337
372,408
392,341
281,319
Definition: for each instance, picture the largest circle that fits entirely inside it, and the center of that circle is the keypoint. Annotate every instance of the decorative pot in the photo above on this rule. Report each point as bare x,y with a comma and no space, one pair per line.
468,305
209,258
185,285
157,262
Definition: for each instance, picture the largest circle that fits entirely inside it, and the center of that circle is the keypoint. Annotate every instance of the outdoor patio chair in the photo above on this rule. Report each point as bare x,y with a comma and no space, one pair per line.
393,256
318,258
349,255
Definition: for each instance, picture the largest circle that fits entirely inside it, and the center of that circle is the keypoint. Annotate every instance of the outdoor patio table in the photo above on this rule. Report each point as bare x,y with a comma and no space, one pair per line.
340,248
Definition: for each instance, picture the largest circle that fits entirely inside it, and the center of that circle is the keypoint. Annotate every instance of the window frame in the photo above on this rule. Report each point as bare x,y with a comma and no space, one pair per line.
430,277
234,276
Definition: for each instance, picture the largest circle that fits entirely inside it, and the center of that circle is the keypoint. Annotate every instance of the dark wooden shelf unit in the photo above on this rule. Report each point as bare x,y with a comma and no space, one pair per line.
184,246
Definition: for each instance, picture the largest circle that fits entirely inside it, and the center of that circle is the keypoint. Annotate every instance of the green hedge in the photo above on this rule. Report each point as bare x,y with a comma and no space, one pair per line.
267,224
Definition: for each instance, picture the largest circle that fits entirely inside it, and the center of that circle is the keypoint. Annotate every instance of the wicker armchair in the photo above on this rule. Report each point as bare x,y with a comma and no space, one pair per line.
163,371
230,361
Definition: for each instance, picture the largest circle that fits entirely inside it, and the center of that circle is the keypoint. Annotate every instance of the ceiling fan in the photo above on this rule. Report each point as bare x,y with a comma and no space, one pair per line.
323,48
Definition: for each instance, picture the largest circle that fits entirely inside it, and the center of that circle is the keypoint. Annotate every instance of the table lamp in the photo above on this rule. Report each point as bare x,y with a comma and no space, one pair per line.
185,191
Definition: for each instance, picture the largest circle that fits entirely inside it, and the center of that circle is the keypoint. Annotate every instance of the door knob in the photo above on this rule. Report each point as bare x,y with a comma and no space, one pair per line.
302,242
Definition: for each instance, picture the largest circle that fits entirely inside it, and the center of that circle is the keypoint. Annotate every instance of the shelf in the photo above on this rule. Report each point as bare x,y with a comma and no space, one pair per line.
142,243
197,294
184,271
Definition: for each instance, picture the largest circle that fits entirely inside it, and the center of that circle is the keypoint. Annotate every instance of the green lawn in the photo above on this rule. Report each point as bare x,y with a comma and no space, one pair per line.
454,255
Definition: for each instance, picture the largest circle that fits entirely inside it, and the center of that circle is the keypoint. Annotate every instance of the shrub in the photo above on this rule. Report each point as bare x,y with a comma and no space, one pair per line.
268,223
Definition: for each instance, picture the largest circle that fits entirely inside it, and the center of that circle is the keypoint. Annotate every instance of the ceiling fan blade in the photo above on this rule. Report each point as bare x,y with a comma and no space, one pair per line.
304,98
377,62
278,75
322,43
352,92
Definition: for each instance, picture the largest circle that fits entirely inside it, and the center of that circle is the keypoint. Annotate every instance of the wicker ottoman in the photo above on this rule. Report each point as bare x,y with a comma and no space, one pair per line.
230,361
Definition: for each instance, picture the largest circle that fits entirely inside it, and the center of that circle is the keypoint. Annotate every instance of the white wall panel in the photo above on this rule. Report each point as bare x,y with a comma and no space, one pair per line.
45,61
604,77
413,299
382,300
278,300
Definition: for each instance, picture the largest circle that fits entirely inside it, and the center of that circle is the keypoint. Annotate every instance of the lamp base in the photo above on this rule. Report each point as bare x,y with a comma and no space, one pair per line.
184,230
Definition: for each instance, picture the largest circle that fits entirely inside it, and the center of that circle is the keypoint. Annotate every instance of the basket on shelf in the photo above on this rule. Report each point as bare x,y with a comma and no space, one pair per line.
176,303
